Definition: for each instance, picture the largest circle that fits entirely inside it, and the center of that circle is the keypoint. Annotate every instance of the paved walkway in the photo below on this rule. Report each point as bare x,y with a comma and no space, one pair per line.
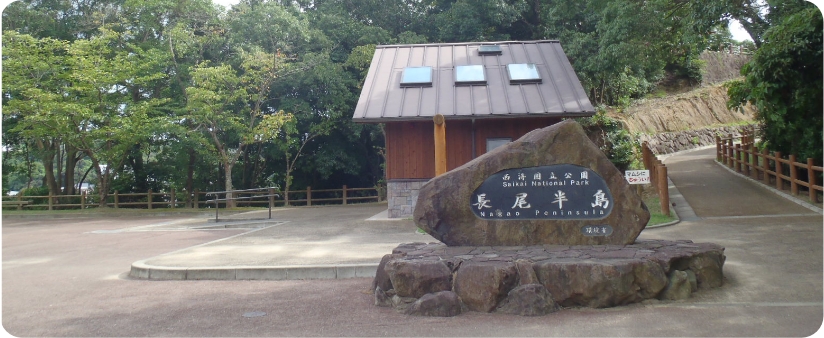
297,243
339,241
65,277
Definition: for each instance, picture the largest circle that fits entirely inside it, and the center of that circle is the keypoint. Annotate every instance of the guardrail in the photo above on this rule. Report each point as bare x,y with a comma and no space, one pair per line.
658,176
196,199
768,167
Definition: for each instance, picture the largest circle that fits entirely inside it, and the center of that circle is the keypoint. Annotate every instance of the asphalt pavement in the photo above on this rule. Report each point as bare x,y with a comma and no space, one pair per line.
306,272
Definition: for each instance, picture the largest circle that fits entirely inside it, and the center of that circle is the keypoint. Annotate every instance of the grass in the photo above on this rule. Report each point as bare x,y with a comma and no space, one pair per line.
654,206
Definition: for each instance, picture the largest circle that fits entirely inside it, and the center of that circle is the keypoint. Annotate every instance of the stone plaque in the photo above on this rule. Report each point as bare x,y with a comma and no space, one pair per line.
562,191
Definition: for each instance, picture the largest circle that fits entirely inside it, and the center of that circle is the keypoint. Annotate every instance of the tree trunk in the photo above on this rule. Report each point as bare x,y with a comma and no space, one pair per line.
230,203
135,160
47,156
190,173
59,172
71,164
102,182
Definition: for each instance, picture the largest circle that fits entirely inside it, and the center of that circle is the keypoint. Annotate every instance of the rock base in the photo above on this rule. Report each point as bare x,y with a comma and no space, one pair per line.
438,280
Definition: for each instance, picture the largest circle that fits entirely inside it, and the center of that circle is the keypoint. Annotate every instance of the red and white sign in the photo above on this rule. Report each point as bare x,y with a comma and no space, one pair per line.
637,176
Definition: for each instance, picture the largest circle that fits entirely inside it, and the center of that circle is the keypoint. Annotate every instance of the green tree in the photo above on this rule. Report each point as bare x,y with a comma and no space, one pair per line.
229,107
783,80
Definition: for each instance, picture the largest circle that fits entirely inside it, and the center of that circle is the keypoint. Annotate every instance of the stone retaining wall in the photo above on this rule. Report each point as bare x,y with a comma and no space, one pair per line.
402,195
671,142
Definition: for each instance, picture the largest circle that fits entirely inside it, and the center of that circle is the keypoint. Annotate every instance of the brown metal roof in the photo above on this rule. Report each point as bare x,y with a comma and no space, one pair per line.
383,99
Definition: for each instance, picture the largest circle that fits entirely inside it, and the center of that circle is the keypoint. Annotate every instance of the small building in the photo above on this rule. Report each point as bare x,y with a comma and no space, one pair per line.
488,93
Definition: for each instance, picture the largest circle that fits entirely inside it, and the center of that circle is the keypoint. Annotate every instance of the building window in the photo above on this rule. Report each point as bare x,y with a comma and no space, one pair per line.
416,77
492,143
523,73
490,50
469,75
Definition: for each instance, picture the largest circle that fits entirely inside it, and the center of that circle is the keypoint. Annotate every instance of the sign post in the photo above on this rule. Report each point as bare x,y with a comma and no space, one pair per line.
637,177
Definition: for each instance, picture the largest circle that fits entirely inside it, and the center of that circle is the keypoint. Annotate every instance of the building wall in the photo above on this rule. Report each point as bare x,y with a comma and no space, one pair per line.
410,152
402,195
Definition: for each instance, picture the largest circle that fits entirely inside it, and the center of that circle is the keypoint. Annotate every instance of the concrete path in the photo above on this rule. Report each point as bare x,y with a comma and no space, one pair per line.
297,243
68,277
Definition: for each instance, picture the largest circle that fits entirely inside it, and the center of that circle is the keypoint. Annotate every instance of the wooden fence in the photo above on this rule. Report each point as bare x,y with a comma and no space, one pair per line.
197,199
658,176
770,169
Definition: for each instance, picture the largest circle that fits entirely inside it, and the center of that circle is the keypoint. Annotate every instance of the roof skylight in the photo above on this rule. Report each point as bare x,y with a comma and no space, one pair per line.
489,50
416,77
468,75
523,73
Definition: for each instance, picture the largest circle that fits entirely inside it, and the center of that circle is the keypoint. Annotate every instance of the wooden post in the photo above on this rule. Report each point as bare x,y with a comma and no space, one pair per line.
172,198
271,198
754,162
344,194
116,200
778,171
149,196
197,197
82,199
440,144
811,180
793,176
19,201
766,165
730,158
51,202
663,189
308,196
737,158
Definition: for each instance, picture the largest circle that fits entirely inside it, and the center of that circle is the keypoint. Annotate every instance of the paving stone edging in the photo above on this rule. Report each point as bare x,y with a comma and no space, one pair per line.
142,270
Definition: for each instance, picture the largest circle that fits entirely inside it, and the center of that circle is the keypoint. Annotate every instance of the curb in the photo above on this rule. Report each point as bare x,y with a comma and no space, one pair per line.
141,270
773,189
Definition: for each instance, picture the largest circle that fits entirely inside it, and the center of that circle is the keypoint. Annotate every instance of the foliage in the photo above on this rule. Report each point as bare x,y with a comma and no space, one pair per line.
611,137
161,94
784,82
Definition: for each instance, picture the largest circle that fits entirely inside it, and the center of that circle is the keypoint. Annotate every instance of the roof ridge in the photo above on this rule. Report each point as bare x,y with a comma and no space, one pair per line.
468,43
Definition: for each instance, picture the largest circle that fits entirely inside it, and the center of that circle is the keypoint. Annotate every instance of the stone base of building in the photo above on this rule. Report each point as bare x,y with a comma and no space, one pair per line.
438,280
402,196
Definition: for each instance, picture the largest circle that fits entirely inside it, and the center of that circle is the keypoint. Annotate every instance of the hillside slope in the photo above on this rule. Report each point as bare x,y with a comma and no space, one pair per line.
696,109
690,109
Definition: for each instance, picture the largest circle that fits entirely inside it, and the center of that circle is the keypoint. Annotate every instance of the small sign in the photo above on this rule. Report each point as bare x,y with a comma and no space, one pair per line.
637,176
596,230
559,192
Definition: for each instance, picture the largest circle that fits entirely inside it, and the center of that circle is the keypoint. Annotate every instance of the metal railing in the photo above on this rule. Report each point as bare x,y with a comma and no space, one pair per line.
253,194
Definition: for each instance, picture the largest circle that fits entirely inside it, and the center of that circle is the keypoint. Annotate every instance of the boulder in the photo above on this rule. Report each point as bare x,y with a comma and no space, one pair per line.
482,285
528,300
415,278
438,304
401,304
526,274
381,298
556,165
600,283
678,286
381,279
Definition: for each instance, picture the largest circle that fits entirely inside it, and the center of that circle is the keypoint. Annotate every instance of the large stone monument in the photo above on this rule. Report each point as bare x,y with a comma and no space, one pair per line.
541,223
552,186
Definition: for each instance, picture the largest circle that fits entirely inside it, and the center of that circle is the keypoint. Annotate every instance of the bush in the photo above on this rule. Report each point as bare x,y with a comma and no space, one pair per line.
611,137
